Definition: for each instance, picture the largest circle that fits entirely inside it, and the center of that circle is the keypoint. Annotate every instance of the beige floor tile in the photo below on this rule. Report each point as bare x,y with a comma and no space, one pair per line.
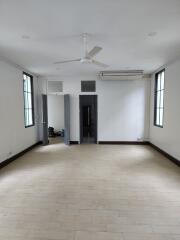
175,237
90,192
166,229
81,235
135,236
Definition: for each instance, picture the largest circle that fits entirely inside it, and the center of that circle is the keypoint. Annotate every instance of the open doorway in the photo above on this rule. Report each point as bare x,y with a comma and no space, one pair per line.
55,118
64,135
88,118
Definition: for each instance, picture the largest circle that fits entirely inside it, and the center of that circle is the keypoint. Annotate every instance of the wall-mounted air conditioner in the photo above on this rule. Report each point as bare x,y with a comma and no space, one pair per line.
121,75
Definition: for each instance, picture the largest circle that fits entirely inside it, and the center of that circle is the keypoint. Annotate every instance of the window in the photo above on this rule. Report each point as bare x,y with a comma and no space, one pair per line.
159,99
88,86
28,100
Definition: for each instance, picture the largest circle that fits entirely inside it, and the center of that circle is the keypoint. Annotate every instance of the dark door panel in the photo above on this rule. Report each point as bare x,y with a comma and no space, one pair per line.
88,118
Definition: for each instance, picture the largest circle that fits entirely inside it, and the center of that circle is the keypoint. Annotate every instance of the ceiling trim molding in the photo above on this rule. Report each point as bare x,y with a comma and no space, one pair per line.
174,60
13,64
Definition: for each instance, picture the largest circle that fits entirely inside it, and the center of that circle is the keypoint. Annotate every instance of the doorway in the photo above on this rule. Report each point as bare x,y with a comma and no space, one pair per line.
56,119
88,118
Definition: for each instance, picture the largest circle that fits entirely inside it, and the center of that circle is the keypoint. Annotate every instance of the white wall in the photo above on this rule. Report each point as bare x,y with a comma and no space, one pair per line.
168,137
14,137
56,112
123,108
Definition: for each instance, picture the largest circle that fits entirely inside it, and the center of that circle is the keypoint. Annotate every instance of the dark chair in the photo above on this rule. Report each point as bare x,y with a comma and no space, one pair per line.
51,132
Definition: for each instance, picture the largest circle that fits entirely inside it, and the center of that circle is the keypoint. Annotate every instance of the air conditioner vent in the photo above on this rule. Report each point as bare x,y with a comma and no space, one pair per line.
121,75
55,87
88,86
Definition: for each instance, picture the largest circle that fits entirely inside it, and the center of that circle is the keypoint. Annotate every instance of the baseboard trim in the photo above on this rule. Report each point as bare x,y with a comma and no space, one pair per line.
125,142
167,155
74,142
13,158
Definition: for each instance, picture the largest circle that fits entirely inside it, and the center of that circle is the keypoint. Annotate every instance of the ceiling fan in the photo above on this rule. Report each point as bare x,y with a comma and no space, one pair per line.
87,56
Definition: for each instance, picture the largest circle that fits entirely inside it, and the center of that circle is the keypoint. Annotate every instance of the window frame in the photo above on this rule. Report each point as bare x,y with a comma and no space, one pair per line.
155,99
32,100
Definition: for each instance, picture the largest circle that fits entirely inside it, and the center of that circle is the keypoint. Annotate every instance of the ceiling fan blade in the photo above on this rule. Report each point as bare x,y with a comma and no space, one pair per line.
94,51
68,61
99,63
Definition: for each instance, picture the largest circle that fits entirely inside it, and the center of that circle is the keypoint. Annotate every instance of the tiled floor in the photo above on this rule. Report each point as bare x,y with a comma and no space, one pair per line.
90,192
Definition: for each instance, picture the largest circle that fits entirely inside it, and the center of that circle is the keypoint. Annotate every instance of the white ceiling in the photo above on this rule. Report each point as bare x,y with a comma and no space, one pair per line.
121,27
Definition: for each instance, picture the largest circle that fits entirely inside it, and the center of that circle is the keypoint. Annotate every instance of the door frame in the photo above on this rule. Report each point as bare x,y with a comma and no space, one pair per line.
45,137
45,119
96,117
67,119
